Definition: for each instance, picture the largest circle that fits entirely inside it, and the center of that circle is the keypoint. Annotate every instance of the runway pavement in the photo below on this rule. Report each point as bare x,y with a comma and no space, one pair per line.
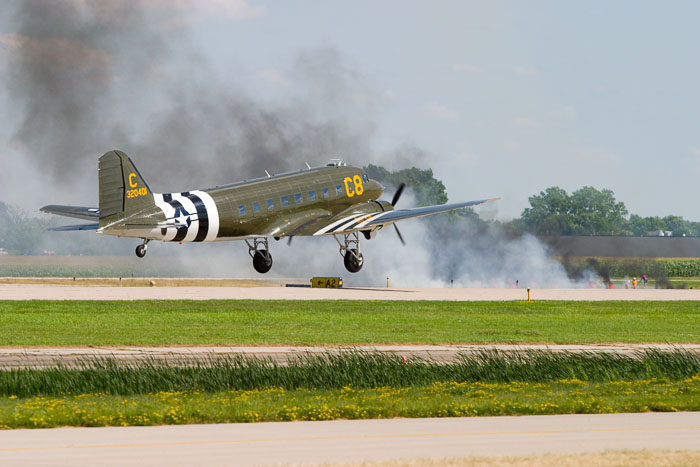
41,357
285,443
57,292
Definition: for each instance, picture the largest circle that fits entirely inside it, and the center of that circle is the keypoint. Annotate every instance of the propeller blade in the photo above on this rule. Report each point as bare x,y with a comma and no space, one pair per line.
399,234
397,195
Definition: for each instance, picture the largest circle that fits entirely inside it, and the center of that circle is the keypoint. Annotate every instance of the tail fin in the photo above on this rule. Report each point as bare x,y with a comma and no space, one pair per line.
122,189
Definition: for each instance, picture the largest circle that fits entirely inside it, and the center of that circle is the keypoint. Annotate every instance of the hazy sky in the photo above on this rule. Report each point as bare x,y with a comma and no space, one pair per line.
499,98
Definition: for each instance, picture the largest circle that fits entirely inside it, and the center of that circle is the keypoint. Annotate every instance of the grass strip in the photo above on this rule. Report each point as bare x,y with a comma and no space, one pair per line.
334,371
440,399
341,322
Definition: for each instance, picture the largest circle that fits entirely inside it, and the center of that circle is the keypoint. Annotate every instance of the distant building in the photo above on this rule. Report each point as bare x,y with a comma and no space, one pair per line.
3,252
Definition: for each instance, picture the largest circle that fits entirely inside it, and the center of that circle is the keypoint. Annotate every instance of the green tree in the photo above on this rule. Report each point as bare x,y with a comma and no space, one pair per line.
597,212
549,213
640,226
587,211
427,189
677,225
19,232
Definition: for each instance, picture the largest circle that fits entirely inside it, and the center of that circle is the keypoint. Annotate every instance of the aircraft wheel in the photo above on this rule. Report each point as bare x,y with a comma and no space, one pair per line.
352,263
141,251
262,261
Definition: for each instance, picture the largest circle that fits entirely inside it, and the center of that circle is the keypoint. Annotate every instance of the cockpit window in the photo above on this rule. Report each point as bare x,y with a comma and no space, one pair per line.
365,177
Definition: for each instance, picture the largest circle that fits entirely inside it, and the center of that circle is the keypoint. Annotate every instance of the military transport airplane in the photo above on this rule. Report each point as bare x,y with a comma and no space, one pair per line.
336,200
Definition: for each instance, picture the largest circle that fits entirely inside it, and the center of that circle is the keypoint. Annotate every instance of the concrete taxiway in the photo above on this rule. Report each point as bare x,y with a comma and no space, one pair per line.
338,441
42,357
57,292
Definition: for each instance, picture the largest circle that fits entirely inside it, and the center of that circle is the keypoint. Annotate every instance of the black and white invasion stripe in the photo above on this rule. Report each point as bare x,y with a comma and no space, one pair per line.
194,216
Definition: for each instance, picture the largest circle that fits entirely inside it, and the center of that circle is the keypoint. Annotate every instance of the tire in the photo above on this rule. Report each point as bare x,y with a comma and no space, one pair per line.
262,261
353,264
141,251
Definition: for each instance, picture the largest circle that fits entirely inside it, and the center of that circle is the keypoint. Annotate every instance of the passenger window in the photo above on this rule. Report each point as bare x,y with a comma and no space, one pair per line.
270,205
297,198
256,207
285,201
339,190
312,195
325,193
241,210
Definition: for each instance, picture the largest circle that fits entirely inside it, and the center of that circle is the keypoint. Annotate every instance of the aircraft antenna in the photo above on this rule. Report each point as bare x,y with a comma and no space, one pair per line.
307,165
268,174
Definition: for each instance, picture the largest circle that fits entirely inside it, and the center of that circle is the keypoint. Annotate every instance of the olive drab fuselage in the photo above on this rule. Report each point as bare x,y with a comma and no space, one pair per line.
288,204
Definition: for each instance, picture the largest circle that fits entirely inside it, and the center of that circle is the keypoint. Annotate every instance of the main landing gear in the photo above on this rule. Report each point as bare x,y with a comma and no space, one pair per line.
141,249
262,259
350,251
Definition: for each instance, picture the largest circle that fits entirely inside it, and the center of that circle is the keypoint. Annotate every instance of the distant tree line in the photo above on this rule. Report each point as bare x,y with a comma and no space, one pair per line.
589,211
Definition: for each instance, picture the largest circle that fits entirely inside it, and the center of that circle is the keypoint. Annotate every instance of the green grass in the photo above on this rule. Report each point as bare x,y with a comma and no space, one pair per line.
241,322
334,371
349,385
449,399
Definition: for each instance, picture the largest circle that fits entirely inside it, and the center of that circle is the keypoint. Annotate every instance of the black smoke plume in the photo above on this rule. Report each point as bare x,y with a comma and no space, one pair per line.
89,76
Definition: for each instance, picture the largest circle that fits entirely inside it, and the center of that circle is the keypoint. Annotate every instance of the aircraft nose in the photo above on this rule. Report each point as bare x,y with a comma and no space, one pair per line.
375,186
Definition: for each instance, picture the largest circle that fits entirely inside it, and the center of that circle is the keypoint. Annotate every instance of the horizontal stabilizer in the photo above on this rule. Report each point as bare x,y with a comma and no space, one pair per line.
75,227
79,212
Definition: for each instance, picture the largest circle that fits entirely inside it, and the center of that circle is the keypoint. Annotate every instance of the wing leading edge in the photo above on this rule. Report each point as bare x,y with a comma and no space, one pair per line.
385,218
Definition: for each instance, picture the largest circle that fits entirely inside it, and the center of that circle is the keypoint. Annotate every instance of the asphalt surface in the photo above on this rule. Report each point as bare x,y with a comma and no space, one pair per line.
285,443
38,357
58,292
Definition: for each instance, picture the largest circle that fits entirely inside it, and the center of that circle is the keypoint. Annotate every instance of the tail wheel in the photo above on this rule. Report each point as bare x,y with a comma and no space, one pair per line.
141,251
354,260
262,261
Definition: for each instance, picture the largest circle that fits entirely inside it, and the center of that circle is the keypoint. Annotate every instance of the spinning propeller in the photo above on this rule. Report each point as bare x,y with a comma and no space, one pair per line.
395,200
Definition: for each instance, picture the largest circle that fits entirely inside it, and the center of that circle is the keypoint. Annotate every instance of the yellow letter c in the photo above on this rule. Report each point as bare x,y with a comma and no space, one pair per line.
131,182
351,193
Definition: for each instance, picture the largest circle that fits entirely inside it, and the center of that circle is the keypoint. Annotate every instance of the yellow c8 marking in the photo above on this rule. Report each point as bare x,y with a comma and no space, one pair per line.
357,183
136,193
132,183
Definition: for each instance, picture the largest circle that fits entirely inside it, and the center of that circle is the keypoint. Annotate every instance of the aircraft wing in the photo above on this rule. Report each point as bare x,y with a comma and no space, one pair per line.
296,224
79,212
384,218
75,227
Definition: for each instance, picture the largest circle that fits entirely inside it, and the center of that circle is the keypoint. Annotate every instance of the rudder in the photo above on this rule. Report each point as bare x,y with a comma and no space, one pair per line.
122,188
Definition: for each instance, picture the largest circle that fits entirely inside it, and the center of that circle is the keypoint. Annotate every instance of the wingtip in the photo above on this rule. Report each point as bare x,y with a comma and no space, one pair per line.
490,200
